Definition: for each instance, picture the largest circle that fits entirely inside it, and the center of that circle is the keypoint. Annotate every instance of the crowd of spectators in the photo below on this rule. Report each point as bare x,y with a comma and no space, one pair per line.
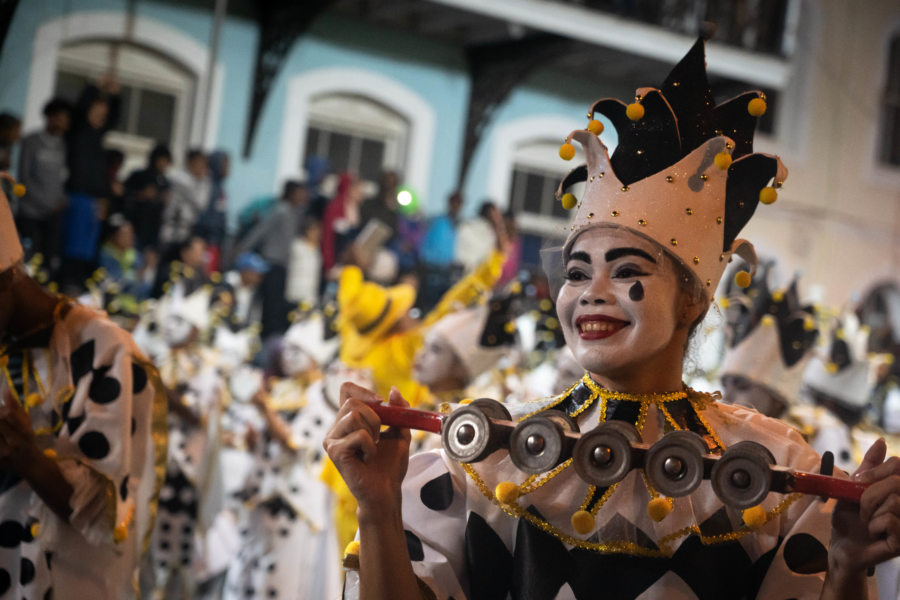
80,212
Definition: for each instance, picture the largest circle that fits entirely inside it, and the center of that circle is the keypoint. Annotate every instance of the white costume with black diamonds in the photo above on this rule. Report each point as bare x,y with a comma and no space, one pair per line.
97,416
289,548
463,545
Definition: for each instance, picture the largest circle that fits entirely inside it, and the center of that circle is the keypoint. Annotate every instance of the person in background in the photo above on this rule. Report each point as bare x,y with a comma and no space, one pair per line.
10,132
147,194
305,266
475,237
514,255
115,159
273,237
96,112
190,197
42,169
438,253
212,224
341,221
245,282
317,168
383,205
123,262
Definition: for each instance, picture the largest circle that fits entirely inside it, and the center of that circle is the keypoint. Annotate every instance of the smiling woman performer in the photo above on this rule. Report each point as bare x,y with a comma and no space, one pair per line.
652,233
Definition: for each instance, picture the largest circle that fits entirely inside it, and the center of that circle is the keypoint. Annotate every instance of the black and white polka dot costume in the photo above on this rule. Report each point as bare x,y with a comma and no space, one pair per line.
289,548
190,496
96,419
463,544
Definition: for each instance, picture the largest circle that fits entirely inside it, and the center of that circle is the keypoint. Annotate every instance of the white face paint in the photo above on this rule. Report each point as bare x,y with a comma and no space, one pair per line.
437,365
337,373
744,392
617,307
176,330
295,360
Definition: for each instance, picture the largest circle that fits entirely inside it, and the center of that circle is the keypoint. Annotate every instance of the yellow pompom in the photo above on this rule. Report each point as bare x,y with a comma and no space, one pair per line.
722,160
839,334
120,534
831,367
329,310
506,492
466,401
595,127
742,279
809,324
546,304
659,508
215,277
352,548
19,190
768,195
583,522
515,288
35,529
724,302
767,320
510,327
50,453
754,517
756,107
888,359
32,400
567,151
635,111
777,296
568,201
551,323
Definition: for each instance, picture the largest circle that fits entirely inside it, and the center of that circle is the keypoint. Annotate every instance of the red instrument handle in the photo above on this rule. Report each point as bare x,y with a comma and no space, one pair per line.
832,487
409,418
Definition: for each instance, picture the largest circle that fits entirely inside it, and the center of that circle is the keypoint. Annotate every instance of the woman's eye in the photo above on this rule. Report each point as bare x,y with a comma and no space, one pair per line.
575,275
626,272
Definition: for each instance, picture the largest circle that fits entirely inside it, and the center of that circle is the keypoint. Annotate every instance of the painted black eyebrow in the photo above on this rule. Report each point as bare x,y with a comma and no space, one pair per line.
620,252
582,256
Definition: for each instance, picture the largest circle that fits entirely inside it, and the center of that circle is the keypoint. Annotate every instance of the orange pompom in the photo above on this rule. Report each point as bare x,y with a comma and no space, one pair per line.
635,111
583,522
756,107
722,160
567,151
742,279
768,195
595,126
568,201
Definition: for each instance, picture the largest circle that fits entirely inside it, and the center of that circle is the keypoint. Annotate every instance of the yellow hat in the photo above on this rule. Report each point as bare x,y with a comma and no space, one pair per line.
367,311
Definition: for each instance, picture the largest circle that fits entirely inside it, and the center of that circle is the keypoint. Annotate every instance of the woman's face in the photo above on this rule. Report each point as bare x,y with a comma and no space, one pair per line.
618,306
437,365
295,360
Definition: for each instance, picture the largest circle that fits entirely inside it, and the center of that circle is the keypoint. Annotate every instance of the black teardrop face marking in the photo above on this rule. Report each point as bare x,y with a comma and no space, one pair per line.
636,291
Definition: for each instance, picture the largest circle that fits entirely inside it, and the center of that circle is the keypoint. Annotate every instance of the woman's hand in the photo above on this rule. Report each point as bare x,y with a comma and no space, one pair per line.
372,462
863,536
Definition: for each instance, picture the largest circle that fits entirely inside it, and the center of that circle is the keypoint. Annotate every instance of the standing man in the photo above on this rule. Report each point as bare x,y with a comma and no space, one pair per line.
42,169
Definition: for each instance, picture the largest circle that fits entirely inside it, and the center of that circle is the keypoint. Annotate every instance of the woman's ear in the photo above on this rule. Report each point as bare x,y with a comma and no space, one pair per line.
691,307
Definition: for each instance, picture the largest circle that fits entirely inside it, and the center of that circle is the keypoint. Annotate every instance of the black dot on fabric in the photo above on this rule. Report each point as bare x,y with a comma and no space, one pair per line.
164,545
271,568
244,532
187,530
295,489
94,445
186,561
11,534
249,592
138,378
82,360
123,489
283,532
5,581
104,389
26,531
185,547
163,564
272,593
845,455
414,546
317,421
437,494
48,556
165,526
26,572
49,594
805,554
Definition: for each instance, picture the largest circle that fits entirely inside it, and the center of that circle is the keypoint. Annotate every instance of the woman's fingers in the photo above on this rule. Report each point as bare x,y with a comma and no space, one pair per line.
354,414
351,390
357,445
883,480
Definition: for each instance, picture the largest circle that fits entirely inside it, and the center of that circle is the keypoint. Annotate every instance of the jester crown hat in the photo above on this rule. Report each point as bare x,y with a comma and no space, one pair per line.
684,173
770,336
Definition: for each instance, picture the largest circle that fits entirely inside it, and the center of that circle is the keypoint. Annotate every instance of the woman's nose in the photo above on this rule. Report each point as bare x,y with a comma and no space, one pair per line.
597,293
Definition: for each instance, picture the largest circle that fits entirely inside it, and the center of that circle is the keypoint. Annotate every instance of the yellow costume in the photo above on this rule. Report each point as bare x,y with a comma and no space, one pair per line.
366,321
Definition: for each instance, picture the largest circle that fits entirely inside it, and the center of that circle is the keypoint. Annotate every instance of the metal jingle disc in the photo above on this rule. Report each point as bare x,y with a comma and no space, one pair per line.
492,408
467,435
536,445
562,419
625,428
602,456
674,464
755,448
741,479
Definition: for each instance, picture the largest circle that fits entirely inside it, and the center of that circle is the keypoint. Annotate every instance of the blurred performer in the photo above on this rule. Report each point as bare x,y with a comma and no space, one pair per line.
770,338
288,548
82,435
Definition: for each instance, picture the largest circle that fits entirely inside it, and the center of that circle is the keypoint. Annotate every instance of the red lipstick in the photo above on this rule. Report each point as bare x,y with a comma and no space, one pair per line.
598,327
